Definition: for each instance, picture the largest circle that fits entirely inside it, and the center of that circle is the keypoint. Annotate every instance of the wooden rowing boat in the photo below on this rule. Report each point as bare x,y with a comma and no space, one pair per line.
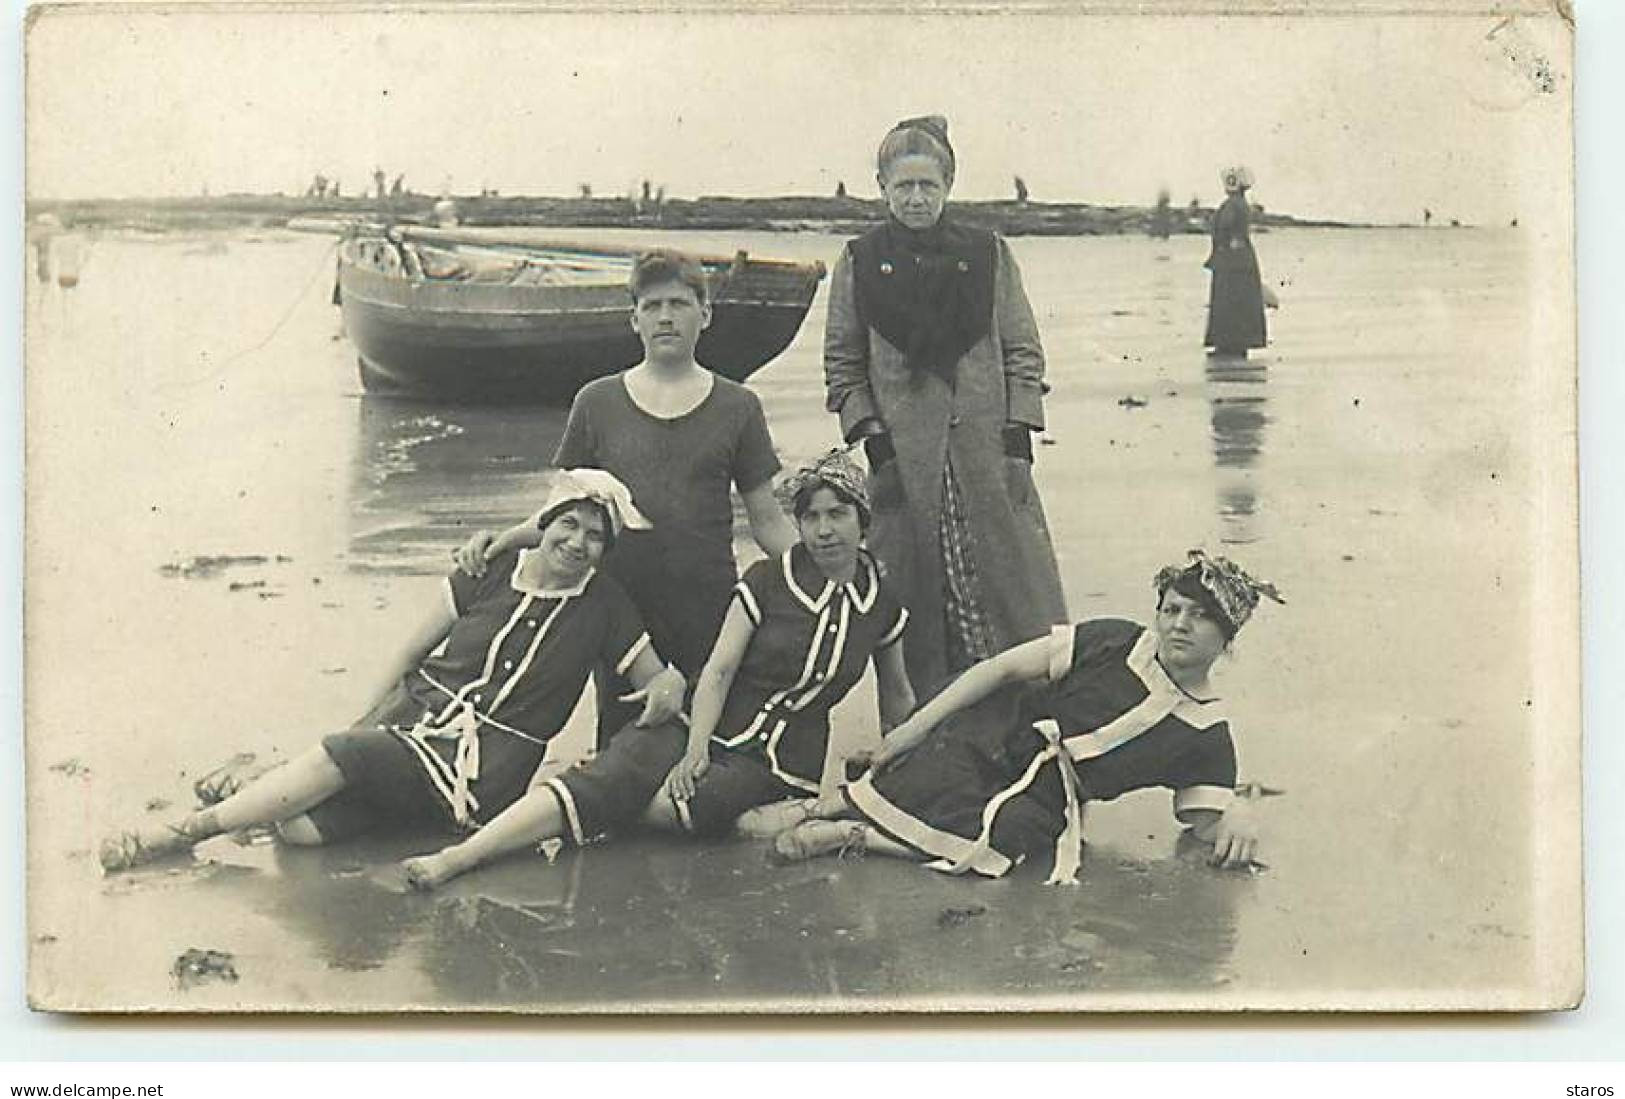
480,315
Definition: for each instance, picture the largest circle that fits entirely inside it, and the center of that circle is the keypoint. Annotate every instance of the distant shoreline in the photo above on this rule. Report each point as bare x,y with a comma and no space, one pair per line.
782,214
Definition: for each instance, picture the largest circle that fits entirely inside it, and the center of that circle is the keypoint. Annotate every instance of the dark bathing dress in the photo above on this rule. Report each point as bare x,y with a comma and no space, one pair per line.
991,785
812,642
1235,312
459,737
679,470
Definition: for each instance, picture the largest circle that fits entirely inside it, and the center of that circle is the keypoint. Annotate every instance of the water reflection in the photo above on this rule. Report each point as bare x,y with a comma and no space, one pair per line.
1236,394
595,926
330,898
1163,275
424,475
654,920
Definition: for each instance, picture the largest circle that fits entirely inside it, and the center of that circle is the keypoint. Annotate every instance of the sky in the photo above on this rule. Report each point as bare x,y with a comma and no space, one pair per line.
1369,118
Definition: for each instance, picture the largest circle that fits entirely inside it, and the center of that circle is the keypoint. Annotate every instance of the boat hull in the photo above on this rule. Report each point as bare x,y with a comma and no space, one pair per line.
472,342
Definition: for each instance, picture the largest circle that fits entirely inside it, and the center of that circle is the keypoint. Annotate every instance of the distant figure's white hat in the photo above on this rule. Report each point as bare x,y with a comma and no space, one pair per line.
1237,178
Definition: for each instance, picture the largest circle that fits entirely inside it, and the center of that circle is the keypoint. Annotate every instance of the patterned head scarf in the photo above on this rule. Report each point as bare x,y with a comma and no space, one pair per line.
1230,590
1235,177
838,470
571,486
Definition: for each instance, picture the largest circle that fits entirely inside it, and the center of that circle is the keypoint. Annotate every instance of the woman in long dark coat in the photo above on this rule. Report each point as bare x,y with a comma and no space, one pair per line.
1235,311
932,357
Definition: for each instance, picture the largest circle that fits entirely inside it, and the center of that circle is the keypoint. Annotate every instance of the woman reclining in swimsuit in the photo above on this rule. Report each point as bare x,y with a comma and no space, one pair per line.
478,689
986,774
797,637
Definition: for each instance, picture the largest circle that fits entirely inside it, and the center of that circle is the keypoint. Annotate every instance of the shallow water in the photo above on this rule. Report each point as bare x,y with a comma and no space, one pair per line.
193,396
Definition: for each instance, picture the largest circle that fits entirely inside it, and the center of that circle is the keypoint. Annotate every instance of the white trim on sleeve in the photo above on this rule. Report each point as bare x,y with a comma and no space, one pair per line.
896,631
1060,652
747,599
632,654
1214,798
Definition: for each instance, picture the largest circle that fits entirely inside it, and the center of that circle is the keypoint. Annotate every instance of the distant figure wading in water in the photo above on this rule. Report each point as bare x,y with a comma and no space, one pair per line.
932,359
1235,311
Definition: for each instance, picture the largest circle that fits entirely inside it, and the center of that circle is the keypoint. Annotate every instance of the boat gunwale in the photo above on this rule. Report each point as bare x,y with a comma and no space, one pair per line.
388,290
378,303
491,237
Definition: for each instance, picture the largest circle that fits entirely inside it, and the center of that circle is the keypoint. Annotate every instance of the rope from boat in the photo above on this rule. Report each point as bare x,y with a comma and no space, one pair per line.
276,329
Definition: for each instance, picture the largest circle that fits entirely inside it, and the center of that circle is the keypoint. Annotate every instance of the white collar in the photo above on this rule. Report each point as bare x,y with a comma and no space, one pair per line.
1142,661
517,581
863,597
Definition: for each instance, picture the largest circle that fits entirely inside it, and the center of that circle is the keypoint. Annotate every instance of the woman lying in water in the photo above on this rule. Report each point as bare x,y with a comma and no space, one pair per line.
478,689
1004,774
798,634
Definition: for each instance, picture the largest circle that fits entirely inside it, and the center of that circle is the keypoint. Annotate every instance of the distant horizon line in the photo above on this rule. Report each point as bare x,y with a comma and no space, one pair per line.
370,199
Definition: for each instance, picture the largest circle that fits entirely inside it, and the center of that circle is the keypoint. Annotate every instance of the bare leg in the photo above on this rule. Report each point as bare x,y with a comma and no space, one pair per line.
299,831
304,783
767,821
813,838
661,813
831,806
284,792
882,844
535,817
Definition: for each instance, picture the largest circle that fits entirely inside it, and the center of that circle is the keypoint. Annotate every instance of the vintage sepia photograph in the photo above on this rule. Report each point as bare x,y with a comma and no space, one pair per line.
693,509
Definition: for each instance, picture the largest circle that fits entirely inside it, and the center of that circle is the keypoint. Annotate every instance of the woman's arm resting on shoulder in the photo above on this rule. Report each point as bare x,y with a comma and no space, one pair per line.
1026,662
660,687
483,546
1233,833
420,640
769,525
709,694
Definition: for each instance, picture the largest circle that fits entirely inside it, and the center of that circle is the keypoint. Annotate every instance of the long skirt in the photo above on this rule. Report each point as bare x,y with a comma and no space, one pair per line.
1235,312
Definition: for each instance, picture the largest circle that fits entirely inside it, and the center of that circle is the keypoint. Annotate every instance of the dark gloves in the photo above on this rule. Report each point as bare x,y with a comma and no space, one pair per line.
1018,442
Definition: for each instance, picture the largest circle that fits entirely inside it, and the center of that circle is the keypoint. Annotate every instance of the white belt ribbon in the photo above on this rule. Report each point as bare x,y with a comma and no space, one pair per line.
465,726
1069,846
466,762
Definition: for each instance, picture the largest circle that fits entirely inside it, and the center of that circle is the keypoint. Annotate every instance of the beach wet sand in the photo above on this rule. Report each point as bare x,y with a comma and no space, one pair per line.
225,537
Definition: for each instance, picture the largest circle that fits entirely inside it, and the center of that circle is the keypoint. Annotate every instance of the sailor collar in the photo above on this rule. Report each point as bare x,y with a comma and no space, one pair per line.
1142,661
802,574
519,584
